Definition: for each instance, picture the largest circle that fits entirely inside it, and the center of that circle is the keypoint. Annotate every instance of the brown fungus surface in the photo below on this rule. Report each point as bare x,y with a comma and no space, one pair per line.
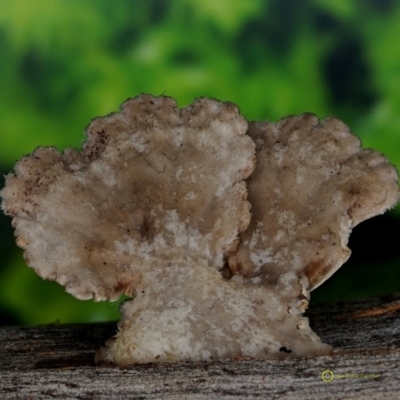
153,183
155,206
312,184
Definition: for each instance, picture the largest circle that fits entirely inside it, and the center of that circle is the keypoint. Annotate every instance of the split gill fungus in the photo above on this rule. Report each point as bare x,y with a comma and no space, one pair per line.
217,227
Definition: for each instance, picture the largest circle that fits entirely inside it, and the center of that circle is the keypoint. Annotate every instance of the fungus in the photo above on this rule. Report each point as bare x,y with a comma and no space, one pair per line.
312,184
155,206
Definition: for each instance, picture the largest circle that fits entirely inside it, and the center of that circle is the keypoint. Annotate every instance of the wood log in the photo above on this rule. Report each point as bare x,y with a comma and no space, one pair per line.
56,361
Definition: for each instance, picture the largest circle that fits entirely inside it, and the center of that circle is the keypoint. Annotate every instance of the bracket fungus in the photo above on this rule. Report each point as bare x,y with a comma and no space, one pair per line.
218,228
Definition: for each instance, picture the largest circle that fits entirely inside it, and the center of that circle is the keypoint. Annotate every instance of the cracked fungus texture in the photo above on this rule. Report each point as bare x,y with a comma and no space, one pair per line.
157,206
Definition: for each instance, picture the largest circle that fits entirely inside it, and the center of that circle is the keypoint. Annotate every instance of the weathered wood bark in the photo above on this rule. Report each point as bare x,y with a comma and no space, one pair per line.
57,362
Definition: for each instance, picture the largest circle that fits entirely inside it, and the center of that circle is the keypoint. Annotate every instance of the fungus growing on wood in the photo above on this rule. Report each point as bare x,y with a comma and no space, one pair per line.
155,206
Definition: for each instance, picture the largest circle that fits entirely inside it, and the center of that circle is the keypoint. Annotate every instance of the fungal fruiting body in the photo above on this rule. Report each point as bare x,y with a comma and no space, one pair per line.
312,184
218,228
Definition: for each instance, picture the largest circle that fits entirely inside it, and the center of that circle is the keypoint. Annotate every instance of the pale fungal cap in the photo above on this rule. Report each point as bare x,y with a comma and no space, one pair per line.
312,184
152,184
155,206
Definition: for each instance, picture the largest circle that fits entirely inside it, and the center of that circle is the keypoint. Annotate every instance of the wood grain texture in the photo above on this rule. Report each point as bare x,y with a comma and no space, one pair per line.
56,362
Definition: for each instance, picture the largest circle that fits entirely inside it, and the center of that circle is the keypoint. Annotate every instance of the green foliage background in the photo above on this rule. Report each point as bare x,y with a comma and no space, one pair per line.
64,62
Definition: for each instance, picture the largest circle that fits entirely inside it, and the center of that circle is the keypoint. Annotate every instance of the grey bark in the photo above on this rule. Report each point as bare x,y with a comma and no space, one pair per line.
56,361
